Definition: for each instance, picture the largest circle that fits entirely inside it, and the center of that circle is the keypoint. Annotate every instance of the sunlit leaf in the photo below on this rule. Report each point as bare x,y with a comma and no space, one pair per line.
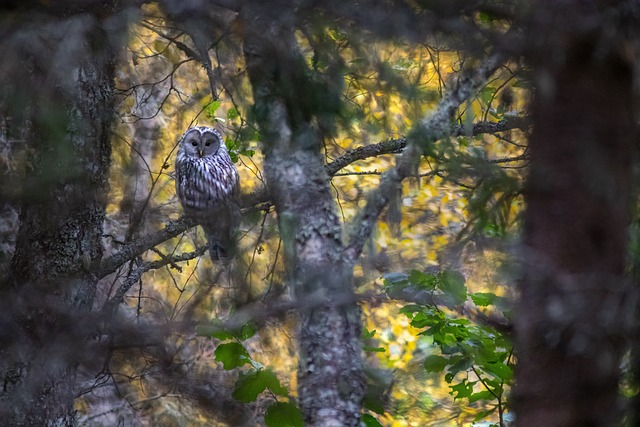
232,113
211,109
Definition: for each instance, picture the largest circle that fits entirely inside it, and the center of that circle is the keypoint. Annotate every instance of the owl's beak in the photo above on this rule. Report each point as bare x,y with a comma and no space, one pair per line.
200,152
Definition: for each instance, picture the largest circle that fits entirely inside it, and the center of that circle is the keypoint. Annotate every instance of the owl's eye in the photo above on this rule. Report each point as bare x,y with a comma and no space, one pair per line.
194,143
208,143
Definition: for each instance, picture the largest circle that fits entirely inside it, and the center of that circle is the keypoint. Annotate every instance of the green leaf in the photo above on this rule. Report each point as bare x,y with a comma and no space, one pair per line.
435,363
216,329
213,329
232,113
250,385
411,308
422,280
370,421
482,395
464,389
248,330
273,383
487,93
366,334
283,414
459,364
483,299
211,109
499,370
373,349
452,284
232,355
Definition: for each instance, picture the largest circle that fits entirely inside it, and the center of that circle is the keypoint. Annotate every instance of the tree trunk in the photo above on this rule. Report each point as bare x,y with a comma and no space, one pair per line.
67,85
330,383
147,120
570,322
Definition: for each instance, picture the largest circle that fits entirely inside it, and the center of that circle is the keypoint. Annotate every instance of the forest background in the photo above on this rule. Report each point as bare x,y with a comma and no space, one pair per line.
438,213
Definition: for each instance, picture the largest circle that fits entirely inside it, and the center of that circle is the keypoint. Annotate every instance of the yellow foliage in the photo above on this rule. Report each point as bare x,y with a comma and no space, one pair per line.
433,212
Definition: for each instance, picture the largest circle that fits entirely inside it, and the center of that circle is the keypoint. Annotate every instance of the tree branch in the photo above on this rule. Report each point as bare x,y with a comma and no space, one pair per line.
139,246
137,273
257,200
429,130
397,145
261,196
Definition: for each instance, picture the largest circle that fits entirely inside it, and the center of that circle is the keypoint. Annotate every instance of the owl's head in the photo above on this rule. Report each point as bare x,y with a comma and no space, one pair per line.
201,141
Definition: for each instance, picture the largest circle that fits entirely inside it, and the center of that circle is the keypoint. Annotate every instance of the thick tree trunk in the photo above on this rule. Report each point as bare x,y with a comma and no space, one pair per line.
330,383
569,321
68,88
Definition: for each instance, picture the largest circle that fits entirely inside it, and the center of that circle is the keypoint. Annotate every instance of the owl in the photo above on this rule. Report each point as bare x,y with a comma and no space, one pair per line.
208,185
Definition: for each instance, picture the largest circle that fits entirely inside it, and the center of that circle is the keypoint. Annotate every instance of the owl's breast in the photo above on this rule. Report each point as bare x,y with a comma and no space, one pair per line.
205,183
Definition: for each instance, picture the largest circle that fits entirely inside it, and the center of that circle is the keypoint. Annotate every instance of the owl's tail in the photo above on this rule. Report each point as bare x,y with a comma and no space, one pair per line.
217,252
219,242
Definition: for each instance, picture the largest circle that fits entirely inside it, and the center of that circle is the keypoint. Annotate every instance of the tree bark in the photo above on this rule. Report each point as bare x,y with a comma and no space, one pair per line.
330,382
67,67
570,321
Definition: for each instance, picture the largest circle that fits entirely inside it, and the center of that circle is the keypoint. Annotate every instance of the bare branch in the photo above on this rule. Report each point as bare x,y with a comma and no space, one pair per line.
139,246
137,273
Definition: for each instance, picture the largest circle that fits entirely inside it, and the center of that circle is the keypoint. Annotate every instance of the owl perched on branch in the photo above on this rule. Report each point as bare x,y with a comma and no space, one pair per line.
208,186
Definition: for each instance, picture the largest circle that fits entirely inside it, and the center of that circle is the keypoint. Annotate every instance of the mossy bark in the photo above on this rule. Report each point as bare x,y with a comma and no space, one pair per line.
67,66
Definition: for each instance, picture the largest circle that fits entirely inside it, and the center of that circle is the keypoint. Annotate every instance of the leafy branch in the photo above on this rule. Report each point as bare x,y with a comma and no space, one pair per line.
464,347
391,146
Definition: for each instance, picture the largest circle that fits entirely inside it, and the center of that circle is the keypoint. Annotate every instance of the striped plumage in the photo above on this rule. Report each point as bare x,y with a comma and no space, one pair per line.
208,185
